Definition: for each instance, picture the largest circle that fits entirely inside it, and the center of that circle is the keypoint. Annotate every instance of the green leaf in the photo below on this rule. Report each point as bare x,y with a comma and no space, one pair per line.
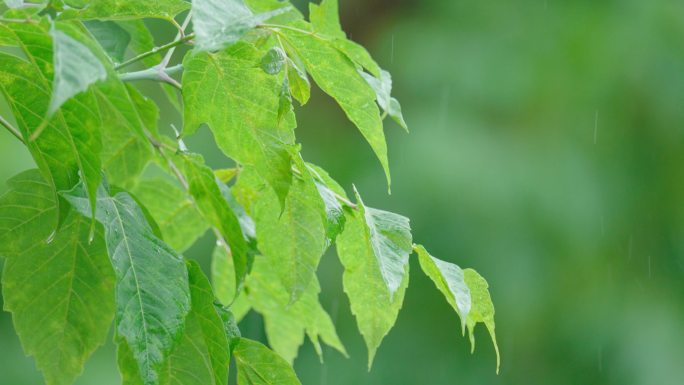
338,77
28,197
383,88
449,279
75,66
287,323
373,247
61,294
223,280
152,295
482,309
329,191
325,18
239,102
300,88
389,238
274,60
257,365
229,325
293,241
71,141
112,38
202,355
173,210
220,23
211,203
126,10
126,117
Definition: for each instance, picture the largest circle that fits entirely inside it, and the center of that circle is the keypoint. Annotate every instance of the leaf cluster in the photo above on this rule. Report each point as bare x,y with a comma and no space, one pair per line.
90,239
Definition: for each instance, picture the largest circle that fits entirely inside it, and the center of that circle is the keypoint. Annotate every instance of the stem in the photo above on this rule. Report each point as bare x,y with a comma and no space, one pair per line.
20,21
153,73
13,130
156,50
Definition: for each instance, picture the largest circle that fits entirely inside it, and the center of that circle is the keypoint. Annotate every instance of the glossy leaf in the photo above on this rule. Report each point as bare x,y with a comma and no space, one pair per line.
202,355
173,210
300,88
257,365
229,92
389,238
449,279
75,66
337,76
220,23
365,255
330,191
482,310
213,206
383,88
60,294
152,295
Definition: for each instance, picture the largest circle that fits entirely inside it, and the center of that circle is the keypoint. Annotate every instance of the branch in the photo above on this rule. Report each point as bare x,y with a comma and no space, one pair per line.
156,50
13,130
155,74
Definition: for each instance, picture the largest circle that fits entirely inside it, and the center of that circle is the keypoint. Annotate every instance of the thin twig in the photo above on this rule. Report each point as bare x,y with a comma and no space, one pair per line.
13,130
156,50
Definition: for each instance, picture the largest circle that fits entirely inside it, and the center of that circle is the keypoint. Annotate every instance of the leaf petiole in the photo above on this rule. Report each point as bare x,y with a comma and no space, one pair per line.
156,50
13,130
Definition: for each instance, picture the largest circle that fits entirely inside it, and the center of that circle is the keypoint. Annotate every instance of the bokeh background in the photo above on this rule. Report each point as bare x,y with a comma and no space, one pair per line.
546,151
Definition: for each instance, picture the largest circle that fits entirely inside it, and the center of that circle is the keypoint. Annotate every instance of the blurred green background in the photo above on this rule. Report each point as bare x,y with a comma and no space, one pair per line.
546,151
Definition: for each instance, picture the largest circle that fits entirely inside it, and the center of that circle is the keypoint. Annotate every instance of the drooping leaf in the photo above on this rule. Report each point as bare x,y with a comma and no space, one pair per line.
300,88
257,365
372,247
152,294
293,241
61,293
220,23
173,210
449,279
205,190
383,89
75,66
113,39
482,309
224,282
202,355
126,10
71,140
337,76
286,324
229,92
389,238
330,191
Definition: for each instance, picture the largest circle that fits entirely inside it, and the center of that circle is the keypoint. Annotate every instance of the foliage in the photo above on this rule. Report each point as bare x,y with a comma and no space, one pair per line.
89,238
